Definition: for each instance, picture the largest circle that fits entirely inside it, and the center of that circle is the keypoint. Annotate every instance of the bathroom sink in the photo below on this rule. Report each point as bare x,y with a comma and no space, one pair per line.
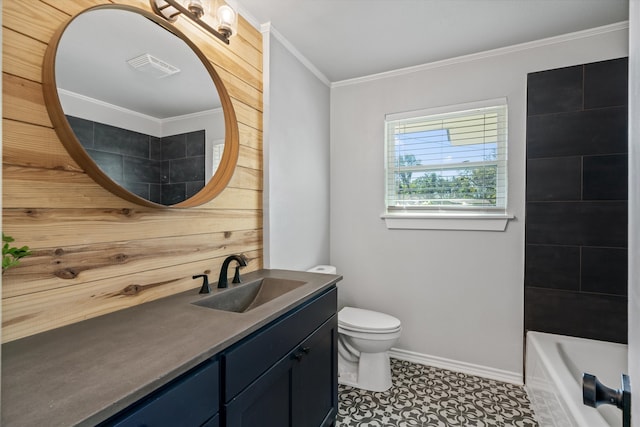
247,296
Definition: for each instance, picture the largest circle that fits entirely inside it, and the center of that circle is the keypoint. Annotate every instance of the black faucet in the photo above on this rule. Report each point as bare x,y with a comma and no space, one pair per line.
222,280
205,289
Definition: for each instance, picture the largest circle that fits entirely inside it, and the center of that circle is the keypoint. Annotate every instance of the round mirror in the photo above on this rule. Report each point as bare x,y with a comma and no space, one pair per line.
140,108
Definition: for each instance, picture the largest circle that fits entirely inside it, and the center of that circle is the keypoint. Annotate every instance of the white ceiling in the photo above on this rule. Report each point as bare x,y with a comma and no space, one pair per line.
91,64
345,39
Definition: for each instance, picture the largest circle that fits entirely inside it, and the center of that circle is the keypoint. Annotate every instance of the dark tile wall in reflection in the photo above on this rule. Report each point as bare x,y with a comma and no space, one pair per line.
182,166
576,218
164,170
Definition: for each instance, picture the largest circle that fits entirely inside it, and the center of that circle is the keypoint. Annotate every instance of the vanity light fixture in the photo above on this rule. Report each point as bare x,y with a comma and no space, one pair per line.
225,17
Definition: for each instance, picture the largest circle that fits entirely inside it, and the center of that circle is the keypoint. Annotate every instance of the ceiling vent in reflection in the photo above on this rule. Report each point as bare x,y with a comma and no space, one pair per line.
149,64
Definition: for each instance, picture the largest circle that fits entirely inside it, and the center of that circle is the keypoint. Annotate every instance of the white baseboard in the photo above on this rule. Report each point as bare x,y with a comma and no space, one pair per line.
457,366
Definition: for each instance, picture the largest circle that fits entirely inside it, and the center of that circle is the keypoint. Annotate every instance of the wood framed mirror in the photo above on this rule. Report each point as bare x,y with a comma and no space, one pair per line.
140,108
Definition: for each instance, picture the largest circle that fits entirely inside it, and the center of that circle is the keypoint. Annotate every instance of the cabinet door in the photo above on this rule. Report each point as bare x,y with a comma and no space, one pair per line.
266,402
213,422
301,390
315,378
246,361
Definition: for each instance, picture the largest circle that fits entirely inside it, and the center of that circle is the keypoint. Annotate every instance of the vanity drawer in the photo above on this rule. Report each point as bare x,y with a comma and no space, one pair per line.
190,400
250,358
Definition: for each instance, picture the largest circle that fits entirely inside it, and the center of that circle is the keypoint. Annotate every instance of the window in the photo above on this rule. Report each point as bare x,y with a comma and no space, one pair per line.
451,160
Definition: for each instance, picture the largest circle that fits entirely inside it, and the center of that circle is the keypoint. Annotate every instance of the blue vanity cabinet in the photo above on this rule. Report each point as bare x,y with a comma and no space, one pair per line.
298,391
191,400
299,388
284,374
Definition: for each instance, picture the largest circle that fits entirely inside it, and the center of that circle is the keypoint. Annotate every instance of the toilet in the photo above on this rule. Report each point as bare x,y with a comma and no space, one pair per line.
364,339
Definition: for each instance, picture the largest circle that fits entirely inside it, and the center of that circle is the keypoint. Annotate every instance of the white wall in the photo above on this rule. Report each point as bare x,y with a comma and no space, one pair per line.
459,294
296,150
634,208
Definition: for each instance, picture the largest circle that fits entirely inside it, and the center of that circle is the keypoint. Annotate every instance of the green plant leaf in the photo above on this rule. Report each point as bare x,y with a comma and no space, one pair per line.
11,254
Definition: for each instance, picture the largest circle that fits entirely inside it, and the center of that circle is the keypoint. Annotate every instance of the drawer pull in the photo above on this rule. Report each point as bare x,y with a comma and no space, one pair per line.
300,354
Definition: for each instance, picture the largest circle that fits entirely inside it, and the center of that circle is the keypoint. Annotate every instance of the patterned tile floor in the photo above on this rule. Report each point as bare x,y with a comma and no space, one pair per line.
424,396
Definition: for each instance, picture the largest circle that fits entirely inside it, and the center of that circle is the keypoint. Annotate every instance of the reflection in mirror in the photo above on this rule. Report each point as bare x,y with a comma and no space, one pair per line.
141,102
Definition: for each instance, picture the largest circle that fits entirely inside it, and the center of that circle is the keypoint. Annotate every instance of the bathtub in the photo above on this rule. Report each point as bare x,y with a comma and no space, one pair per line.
554,367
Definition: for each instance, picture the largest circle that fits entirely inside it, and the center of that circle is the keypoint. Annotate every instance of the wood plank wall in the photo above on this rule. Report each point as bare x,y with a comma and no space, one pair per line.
93,252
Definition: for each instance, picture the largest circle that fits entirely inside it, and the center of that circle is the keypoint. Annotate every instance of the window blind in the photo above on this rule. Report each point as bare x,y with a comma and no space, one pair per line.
455,160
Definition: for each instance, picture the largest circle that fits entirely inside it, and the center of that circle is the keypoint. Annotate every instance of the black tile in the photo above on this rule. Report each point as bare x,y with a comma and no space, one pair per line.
194,187
556,267
606,83
142,170
605,177
195,143
165,178
604,270
121,141
83,129
187,169
555,178
174,147
577,223
173,193
602,131
601,317
155,148
155,193
137,145
109,138
137,188
555,91
111,164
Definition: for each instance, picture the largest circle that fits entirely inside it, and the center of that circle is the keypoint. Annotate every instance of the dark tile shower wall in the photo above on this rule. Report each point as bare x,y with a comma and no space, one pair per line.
182,166
164,170
576,219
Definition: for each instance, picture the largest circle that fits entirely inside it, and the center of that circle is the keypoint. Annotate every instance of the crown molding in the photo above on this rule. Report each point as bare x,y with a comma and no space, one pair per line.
487,54
268,28
107,106
242,11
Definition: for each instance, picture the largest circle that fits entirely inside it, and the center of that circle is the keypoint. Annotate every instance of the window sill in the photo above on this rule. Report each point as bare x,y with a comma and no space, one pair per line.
447,221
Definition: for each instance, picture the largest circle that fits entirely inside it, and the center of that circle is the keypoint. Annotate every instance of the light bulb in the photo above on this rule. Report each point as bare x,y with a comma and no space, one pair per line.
197,7
226,17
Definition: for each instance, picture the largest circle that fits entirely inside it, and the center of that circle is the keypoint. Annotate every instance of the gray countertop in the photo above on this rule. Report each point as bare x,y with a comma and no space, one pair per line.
85,372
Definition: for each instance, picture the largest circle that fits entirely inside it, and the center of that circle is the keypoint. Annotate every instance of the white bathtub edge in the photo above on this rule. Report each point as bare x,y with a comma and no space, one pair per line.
457,366
538,345
558,379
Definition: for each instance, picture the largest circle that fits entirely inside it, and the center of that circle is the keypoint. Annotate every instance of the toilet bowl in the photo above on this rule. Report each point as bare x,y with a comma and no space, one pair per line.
364,339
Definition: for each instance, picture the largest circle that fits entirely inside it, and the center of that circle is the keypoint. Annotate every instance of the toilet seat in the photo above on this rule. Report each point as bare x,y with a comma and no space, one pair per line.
347,330
367,321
